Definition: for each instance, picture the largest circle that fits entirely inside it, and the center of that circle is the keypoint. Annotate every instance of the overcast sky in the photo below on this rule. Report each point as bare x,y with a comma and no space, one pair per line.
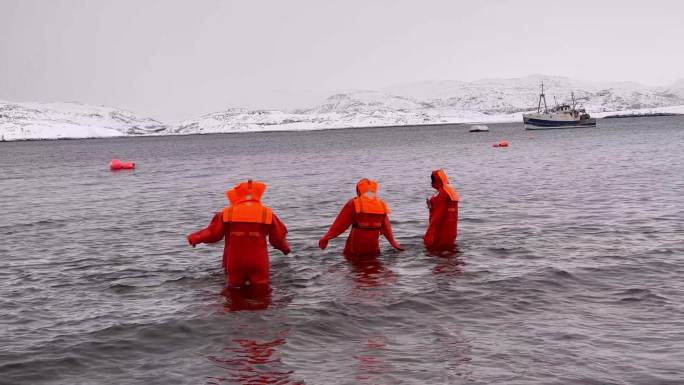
178,59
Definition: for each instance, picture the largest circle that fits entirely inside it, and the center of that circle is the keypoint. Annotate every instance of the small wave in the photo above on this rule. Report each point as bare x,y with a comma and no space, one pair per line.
120,288
639,295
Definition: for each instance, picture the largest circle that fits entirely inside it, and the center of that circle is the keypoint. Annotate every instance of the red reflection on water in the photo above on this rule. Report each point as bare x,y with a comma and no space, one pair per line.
370,272
372,367
256,297
251,360
448,264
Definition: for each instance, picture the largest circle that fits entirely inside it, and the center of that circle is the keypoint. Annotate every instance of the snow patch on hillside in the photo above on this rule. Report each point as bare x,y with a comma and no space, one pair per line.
644,111
70,120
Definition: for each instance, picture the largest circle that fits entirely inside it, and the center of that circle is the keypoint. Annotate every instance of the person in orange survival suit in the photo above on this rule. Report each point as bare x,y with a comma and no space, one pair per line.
245,223
443,227
369,218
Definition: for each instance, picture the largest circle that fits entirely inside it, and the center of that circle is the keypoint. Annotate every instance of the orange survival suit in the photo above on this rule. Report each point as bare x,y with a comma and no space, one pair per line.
443,227
245,223
368,216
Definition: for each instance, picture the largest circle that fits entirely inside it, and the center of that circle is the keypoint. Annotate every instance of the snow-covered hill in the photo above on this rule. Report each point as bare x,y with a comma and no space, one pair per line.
70,120
486,101
520,94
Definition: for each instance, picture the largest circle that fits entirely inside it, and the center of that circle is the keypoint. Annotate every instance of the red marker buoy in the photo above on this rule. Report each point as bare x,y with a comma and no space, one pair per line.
503,143
116,165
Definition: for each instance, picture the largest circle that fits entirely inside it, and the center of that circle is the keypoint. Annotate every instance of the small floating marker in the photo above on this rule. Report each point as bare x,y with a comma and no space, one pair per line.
503,143
116,165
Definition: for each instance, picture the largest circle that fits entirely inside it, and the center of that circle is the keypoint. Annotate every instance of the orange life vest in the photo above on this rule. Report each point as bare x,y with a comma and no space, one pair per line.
367,202
366,205
251,212
245,204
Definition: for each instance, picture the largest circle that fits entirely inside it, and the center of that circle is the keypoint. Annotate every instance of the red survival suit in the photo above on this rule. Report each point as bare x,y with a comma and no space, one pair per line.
368,216
443,227
245,225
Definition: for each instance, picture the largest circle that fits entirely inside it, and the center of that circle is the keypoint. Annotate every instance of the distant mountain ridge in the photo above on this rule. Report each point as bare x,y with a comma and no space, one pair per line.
521,94
428,102
450,101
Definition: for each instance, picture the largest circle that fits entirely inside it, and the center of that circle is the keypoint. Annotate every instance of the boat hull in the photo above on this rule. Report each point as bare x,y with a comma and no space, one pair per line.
533,123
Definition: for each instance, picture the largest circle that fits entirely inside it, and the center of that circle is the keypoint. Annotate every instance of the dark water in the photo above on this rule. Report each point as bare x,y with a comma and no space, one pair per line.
569,270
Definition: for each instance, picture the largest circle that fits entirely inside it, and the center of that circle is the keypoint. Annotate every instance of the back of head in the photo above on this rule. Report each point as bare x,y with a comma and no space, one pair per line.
367,187
441,182
246,192
367,198
439,179
245,204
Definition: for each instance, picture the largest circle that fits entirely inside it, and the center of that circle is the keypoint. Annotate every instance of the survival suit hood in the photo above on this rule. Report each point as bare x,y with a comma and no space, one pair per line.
440,181
246,191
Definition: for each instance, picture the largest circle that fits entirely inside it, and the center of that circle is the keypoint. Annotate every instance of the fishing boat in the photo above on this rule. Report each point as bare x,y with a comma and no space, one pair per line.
561,116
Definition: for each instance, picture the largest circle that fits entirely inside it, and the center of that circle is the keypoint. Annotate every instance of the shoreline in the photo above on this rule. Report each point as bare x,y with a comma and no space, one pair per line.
240,132
644,115
614,116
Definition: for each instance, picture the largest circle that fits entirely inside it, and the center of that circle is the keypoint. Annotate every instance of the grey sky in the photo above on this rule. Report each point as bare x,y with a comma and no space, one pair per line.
179,59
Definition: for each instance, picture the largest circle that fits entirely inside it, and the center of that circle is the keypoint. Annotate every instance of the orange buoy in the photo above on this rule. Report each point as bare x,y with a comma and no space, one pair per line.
116,165
503,143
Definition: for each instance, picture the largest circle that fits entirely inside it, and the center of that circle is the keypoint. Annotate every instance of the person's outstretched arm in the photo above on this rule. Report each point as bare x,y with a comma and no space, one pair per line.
211,234
386,231
277,236
340,225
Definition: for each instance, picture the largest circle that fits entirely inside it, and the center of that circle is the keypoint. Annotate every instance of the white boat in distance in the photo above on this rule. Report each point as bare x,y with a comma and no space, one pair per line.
479,128
561,116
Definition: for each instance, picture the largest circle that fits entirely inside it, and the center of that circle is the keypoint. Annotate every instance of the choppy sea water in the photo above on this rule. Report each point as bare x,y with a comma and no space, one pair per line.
569,266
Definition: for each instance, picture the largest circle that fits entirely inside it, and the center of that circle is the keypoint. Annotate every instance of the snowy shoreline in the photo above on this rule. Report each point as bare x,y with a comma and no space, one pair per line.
610,115
485,101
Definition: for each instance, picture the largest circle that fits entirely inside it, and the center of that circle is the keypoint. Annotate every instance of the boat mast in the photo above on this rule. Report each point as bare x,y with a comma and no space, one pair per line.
572,94
542,96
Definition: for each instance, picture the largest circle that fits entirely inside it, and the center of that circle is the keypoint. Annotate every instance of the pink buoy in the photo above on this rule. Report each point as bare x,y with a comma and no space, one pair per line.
116,165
